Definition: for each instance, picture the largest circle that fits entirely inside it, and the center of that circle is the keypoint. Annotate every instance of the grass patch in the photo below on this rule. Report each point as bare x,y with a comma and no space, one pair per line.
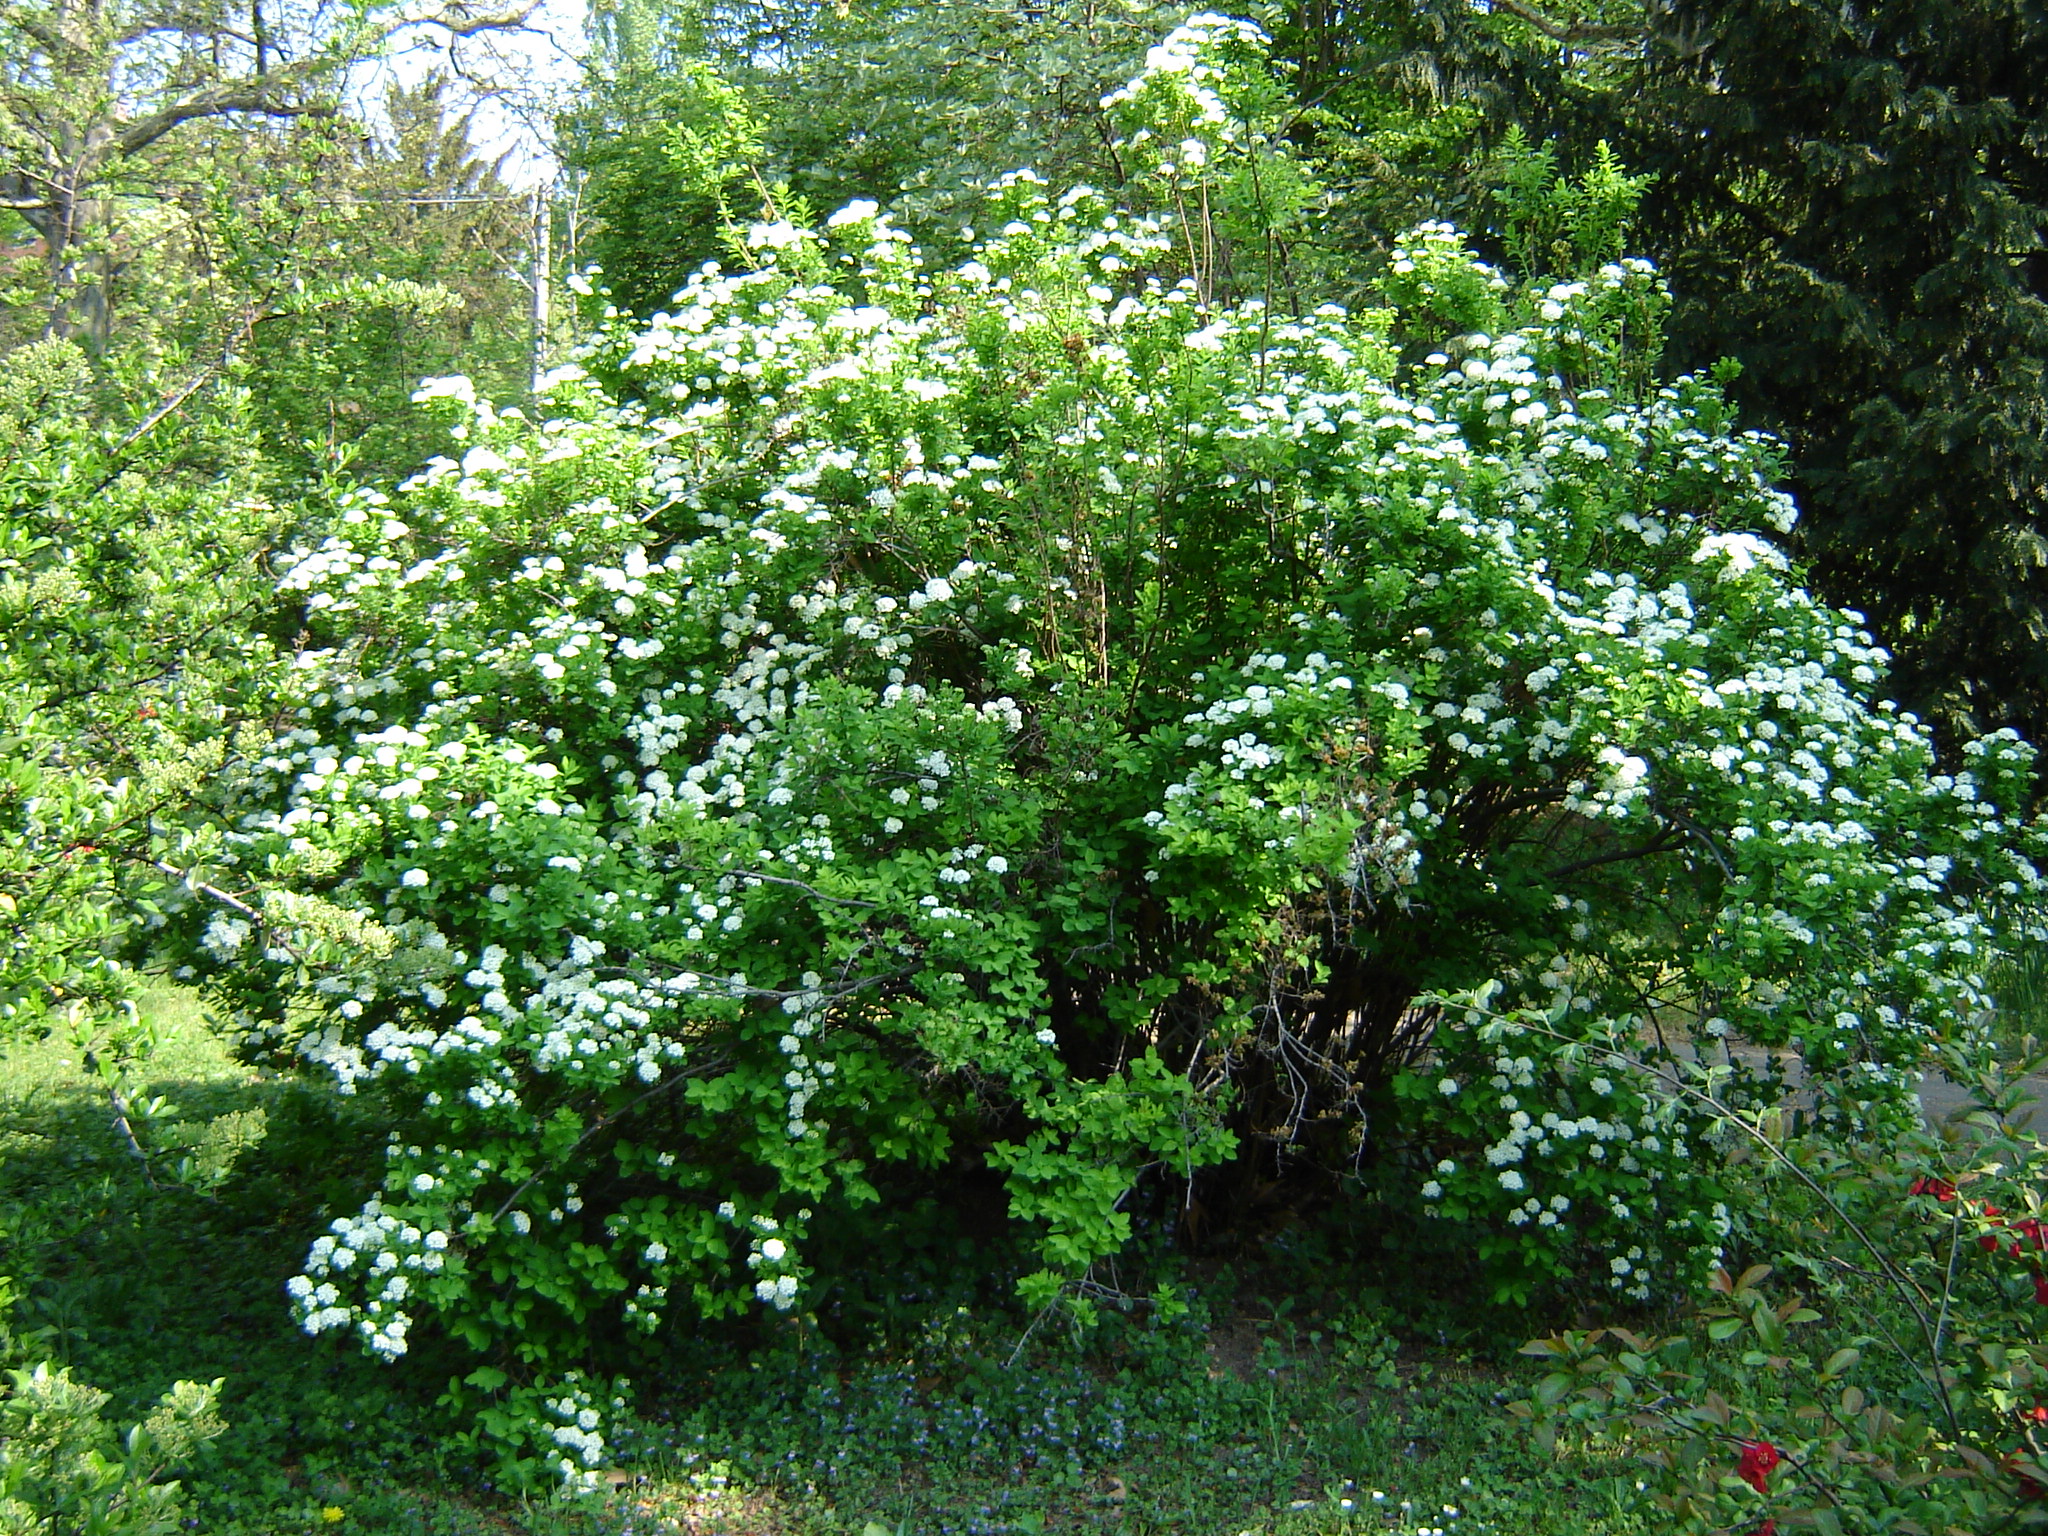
1290,1402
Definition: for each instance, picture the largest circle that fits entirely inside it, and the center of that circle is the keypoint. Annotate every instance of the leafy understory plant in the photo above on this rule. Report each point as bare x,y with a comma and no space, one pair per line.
65,1469
1910,1395
1054,713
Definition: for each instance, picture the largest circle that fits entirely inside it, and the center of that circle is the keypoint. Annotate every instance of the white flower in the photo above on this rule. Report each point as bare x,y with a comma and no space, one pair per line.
655,1253
1046,1037
1510,1180
413,878
998,865
1448,1087
774,1250
773,237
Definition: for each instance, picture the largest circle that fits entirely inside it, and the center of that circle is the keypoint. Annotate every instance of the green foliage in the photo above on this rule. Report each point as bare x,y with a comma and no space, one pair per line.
671,166
134,1277
703,116
371,262
1406,108
131,616
63,1469
1551,223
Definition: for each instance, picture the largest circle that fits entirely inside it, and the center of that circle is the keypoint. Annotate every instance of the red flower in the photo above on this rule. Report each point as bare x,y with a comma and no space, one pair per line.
2036,1414
1928,1184
1758,1457
2032,1231
2031,1487
1768,1528
2041,1289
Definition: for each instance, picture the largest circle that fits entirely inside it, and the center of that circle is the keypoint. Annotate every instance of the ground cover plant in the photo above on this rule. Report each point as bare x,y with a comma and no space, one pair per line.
922,1416
1063,716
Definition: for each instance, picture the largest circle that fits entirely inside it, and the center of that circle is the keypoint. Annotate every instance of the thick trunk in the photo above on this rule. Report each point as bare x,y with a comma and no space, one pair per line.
79,268
77,228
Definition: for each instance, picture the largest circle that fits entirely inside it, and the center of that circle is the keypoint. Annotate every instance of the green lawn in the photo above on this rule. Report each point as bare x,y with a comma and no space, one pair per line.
1294,1400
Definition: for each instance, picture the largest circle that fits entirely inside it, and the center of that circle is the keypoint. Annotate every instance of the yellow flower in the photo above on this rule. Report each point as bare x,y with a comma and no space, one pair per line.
333,1514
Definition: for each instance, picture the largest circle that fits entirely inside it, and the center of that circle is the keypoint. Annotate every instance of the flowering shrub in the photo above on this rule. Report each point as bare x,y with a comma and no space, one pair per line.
1036,712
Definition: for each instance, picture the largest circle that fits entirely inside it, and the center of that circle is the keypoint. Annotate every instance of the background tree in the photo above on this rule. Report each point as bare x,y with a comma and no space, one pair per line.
1851,201
93,94
698,114
1406,103
413,260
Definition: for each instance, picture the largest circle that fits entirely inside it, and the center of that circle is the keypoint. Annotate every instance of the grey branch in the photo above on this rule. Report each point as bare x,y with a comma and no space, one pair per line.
1567,32
214,101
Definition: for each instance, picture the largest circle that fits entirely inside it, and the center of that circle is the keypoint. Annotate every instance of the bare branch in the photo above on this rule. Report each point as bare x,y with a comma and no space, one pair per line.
1570,33
214,101
272,92
809,890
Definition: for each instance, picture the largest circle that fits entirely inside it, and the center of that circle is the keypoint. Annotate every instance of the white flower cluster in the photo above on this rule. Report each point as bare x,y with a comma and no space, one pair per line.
224,935
382,1257
1190,69
576,1432
774,1262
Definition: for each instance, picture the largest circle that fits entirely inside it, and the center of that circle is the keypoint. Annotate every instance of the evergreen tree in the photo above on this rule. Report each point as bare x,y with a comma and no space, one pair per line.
1850,201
